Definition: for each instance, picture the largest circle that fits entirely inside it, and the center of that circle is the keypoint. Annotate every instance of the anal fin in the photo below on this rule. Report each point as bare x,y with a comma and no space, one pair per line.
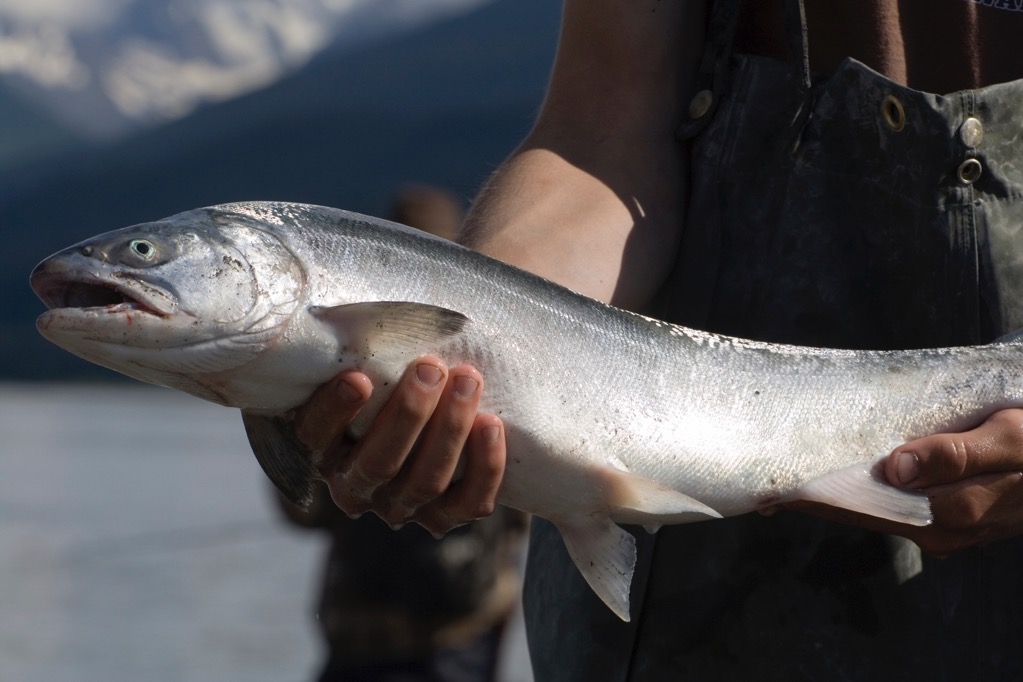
604,553
605,556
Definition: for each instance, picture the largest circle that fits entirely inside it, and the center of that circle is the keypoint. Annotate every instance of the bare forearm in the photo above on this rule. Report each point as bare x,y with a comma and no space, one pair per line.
593,198
543,214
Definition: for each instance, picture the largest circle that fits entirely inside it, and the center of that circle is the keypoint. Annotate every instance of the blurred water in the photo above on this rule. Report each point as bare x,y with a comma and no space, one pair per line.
137,542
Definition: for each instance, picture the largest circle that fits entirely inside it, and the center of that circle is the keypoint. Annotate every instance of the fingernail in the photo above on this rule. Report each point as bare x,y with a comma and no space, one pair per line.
429,375
465,387
348,392
491,434
907,467
399,512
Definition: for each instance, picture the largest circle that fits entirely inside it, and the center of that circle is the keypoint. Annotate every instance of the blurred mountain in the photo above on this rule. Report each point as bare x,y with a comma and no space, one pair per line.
443,105
105,67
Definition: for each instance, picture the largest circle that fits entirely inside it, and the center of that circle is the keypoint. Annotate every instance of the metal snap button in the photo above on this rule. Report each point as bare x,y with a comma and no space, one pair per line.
971,132
970,171
893,113
701,103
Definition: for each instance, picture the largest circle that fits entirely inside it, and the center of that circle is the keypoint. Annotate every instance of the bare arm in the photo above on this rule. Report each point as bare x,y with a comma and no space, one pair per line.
593,198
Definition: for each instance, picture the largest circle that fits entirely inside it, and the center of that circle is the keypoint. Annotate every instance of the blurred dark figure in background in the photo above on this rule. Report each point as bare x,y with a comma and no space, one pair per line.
427,208
403,606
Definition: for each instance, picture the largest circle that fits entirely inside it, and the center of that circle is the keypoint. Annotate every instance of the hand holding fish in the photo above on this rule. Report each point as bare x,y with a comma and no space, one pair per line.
428,423
974,480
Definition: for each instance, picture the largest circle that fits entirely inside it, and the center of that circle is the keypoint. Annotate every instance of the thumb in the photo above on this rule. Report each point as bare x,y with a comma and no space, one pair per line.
994,446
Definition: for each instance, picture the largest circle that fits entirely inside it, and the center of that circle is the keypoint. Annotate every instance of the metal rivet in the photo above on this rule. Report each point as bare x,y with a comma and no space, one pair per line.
893,113
971,132
701,103
970,171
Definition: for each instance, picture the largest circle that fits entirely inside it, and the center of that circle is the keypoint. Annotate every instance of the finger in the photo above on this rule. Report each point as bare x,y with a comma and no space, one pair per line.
332,407
430,470
380,455
971,513
994,446
980,505
474,495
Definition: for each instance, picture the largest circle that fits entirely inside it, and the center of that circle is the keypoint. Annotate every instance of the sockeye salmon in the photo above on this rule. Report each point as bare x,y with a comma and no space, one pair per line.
254,305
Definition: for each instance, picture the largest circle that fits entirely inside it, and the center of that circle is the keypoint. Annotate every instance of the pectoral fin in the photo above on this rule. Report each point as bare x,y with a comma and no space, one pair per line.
284,458
383,326
860,488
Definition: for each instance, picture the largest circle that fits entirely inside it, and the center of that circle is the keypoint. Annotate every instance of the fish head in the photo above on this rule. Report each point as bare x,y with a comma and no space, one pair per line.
172,301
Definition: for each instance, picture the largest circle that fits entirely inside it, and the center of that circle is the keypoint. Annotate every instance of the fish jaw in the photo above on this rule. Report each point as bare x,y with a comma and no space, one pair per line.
90,305
102,313
137,327
116,321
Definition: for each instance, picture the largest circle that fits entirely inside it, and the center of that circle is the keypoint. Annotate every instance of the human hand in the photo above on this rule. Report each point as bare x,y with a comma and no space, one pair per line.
974,481
407,466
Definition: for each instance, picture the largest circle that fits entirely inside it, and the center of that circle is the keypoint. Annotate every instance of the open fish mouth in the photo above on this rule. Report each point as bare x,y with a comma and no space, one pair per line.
70,291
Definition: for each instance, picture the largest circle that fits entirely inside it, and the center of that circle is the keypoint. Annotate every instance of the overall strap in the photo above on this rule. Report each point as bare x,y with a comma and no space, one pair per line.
712,80
796,37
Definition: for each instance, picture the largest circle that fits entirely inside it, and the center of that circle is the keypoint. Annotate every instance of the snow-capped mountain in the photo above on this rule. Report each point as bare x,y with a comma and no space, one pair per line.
103,67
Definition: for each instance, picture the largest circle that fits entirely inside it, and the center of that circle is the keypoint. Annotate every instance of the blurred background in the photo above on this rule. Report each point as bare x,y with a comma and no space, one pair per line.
138,538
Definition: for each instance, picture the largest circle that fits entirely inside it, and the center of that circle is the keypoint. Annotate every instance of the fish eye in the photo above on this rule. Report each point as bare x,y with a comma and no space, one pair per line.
143,248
